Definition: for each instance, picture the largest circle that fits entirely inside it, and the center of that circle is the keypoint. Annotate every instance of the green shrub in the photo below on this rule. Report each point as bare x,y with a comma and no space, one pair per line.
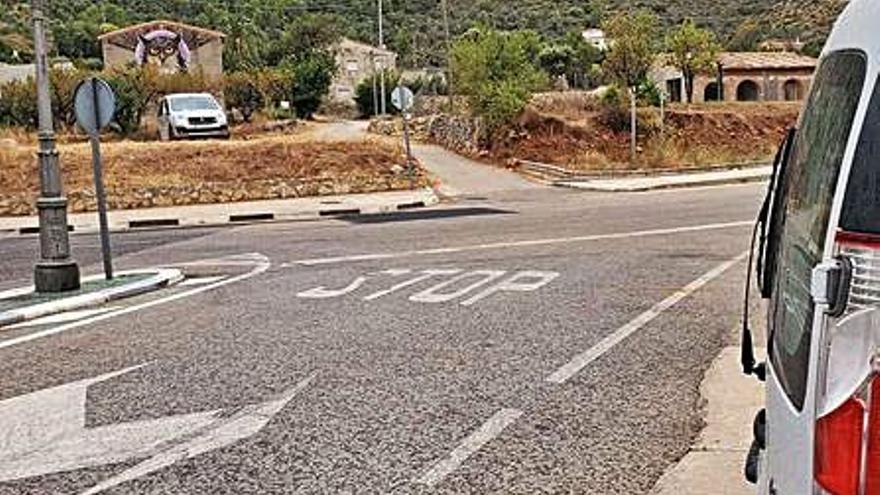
133,95
182,82
18,104
274,85
312,77
64,83
364,93
242,92
615,113
496,71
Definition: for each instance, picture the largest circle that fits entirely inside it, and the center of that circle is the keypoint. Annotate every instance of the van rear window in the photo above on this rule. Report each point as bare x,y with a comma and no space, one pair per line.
861,208
808,191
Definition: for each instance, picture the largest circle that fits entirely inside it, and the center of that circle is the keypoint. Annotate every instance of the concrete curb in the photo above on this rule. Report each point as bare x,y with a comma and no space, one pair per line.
161,278
707,179
236,214
555,173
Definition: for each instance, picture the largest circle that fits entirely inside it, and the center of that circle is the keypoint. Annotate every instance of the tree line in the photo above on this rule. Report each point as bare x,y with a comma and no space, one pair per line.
257,29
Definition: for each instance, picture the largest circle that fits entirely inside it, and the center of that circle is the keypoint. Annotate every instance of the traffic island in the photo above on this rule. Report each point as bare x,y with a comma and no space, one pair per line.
25,304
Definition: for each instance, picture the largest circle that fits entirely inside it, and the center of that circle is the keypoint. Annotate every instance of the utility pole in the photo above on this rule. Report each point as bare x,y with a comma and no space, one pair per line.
633,148
382,57
450,86
375,89
56,271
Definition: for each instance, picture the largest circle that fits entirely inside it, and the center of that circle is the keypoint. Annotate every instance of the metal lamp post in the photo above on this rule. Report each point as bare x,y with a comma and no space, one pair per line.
56,271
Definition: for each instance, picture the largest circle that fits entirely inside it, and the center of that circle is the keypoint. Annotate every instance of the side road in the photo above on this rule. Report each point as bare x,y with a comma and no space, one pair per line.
714,466
455,174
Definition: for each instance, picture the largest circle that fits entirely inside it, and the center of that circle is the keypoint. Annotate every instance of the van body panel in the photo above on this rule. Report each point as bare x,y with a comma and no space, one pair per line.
813,187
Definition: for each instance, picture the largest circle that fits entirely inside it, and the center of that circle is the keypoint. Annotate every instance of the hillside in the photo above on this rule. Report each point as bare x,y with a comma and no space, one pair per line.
414,27
809,19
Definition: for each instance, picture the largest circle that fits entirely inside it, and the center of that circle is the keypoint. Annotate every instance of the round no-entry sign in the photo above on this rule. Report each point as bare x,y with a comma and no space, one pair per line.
94,105
402,98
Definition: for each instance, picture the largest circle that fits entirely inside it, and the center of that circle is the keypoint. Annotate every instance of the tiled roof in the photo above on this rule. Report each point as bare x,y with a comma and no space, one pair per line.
766,60
170,25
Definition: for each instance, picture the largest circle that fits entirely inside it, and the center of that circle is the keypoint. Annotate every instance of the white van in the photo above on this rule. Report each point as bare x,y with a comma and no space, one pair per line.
191,115
819,267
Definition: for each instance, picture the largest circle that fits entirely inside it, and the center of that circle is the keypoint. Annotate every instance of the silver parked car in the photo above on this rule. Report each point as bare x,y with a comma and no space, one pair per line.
191,115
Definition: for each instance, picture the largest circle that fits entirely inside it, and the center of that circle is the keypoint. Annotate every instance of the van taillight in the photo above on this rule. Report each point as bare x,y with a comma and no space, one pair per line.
838,460
863,250
847,443
872,464
847,460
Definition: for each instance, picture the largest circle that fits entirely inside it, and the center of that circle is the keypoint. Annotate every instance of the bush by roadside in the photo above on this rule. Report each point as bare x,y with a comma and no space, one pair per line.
138,89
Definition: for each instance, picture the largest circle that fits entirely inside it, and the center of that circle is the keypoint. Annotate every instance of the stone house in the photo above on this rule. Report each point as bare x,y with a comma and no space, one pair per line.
597,38
170,46
355,63
743,76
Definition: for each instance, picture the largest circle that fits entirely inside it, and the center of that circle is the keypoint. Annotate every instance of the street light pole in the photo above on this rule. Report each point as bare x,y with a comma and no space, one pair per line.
450,84
375,85
56,271
382,57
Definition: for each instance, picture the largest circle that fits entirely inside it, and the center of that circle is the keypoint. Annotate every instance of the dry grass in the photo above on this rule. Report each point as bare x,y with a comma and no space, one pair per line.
696,135
162,174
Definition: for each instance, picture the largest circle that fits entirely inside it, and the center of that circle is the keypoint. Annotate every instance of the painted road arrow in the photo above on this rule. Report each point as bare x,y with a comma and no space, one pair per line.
45,432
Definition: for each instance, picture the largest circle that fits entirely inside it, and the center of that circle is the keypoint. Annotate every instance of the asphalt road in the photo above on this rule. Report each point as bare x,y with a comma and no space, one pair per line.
535,341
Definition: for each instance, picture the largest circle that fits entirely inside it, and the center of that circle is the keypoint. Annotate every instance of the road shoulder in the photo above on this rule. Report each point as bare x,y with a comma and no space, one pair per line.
715,463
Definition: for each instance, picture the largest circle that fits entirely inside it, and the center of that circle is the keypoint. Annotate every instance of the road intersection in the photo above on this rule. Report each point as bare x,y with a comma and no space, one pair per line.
529,341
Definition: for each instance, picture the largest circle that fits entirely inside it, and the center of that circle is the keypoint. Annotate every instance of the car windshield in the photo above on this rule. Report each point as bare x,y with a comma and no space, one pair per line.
185,103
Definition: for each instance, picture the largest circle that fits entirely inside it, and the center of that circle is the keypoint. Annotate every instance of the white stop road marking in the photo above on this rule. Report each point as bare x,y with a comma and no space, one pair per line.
462,283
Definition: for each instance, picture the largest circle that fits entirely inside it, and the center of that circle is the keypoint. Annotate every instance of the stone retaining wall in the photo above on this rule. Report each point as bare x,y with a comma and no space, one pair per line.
460,134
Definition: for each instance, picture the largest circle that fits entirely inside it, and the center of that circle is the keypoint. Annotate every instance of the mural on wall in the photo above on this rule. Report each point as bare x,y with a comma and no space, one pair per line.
165,49
165,46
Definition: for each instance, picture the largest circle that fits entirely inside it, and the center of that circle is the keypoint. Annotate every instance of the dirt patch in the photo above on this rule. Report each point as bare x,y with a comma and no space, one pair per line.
693,136
142,175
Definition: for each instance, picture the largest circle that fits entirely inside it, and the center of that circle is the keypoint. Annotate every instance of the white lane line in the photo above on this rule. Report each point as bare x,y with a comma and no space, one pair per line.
258,269
486,433
581,361
515,244
193,282
63,317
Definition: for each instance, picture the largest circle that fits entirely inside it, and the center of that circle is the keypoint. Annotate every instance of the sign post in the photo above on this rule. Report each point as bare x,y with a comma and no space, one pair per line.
403,99
634,122
94,105
662,116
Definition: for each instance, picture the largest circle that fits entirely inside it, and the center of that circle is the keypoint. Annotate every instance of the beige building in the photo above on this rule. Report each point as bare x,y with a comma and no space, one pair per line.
356,62
170,46
744,76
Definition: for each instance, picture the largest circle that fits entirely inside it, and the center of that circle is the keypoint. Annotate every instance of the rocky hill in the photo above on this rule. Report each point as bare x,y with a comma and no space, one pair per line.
811,20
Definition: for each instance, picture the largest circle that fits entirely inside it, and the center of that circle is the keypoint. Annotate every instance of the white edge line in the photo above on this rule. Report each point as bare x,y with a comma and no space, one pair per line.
474,442
581,361
64,317
261,268
513,244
